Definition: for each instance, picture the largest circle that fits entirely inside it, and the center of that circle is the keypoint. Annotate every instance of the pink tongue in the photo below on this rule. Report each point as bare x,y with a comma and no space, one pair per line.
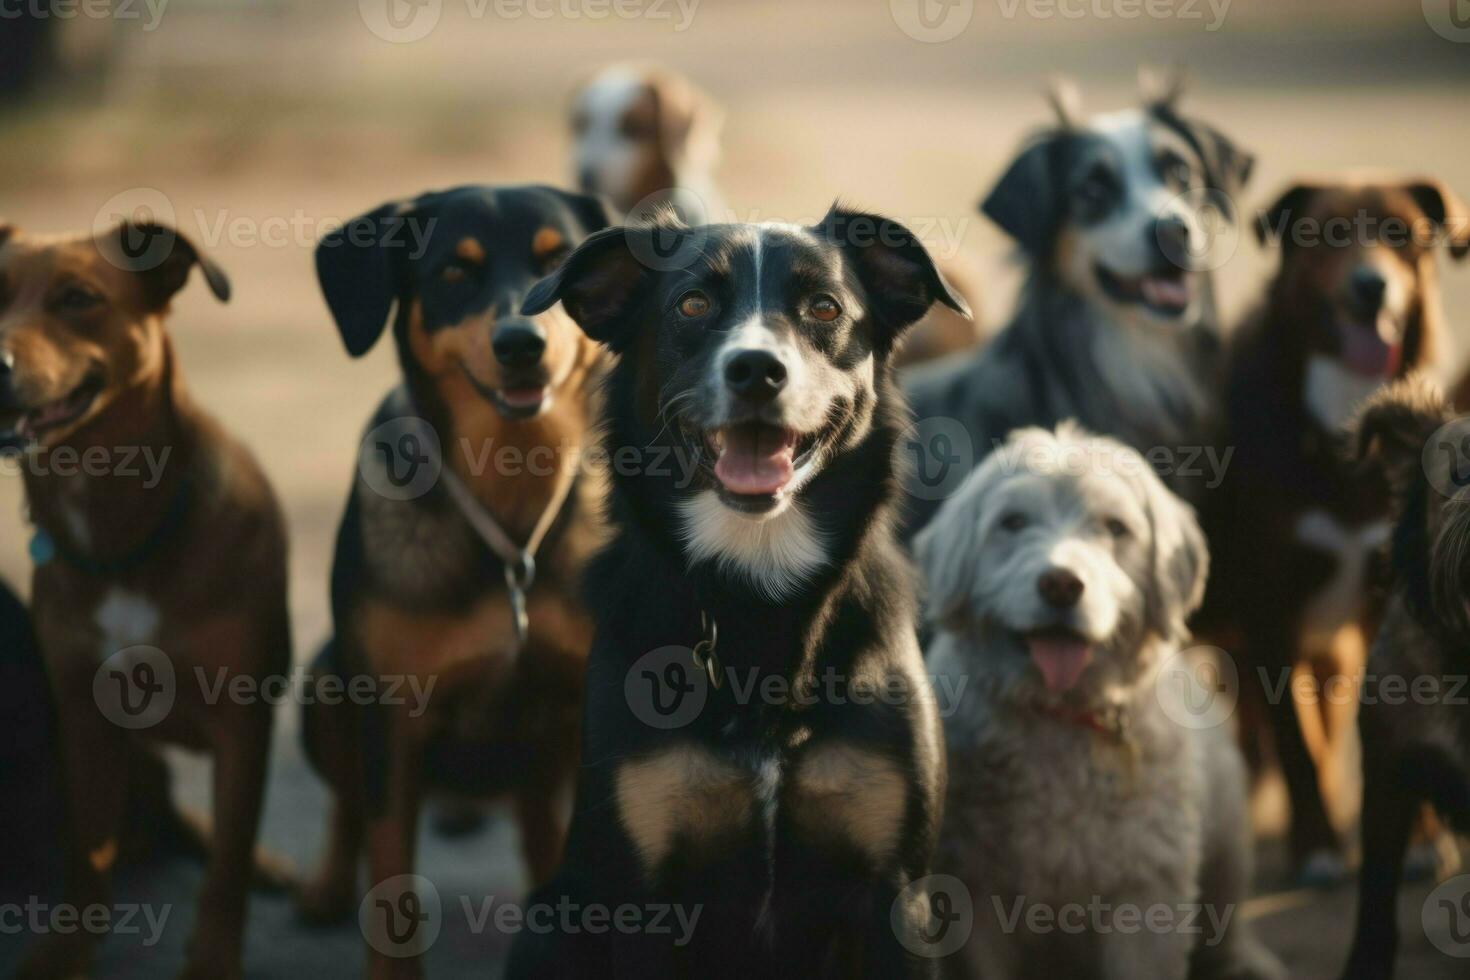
1364,352
1061,659
521,397
1164,292
756,462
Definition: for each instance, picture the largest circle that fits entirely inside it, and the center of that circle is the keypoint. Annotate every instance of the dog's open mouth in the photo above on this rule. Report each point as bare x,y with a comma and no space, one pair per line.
32,424
1165,292
756,459
517,400
1366,349
1062,655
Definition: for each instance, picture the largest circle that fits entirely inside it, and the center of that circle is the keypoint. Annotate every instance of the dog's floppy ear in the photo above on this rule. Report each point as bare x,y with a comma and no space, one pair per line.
948,548
689,122
600,283
1449,567
1181,558
896,270
162,259
1227,166
1273,225
1445,208
1024,202
360,272
1393,426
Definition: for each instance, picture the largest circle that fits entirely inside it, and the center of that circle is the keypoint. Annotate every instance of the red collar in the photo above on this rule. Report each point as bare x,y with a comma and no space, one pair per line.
1110,724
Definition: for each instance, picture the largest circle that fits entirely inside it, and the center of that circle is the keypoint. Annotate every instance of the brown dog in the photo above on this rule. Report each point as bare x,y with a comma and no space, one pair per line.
1296,530
154,527
425,596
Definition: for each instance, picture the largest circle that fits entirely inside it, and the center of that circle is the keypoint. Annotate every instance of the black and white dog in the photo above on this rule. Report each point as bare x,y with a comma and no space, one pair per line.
1116,325
793,807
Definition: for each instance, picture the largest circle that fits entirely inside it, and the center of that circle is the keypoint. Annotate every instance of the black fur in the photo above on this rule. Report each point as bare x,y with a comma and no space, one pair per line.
777,900
1415,749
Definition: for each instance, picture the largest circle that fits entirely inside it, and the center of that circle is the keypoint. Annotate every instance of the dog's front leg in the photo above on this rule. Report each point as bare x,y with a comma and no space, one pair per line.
94,758
391,836
241,743
1389,809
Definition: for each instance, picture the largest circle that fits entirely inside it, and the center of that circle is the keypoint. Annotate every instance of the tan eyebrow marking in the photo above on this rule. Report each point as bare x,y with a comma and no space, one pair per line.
470,250
547,240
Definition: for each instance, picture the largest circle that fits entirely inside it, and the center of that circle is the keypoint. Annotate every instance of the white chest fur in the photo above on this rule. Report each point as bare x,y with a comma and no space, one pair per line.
1333,393
126,619
776,553
1341,599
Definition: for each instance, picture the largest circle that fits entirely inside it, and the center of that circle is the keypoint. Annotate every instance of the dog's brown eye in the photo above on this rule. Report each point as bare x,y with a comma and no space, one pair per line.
1013,522
825,308
1117,528
453,272
77,299
694,304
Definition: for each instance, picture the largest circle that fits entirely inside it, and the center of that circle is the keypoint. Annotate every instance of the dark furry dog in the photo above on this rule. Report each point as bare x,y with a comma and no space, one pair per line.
791,820
1116,325
1416,749
1345,314
423,589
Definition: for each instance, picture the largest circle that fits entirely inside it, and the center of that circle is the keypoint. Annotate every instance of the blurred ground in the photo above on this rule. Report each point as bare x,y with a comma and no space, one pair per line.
246,114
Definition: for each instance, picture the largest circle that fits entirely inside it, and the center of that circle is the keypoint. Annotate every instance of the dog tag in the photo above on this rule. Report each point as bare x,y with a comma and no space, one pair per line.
42,548
518,578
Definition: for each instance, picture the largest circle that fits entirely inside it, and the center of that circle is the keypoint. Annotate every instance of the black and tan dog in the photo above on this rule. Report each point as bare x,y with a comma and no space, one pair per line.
1415,748
428,585
186,555
1355,304
757,362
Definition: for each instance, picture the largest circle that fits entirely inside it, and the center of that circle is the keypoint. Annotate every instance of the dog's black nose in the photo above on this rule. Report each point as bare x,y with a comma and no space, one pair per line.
755,374
1368,286
587,179
1172,234
1060,588
518,345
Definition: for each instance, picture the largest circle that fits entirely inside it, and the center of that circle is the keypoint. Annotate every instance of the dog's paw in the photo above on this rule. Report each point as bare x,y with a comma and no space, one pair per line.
57,957
1323,869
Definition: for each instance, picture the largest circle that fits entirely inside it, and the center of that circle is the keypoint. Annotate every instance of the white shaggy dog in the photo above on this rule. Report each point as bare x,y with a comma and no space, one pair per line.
1097,818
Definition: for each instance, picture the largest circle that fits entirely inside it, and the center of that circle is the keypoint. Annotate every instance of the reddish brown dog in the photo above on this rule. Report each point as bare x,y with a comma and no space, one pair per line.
1297,530
161,557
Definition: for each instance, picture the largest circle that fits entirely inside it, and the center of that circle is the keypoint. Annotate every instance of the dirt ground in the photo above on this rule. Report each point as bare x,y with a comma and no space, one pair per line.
247,116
